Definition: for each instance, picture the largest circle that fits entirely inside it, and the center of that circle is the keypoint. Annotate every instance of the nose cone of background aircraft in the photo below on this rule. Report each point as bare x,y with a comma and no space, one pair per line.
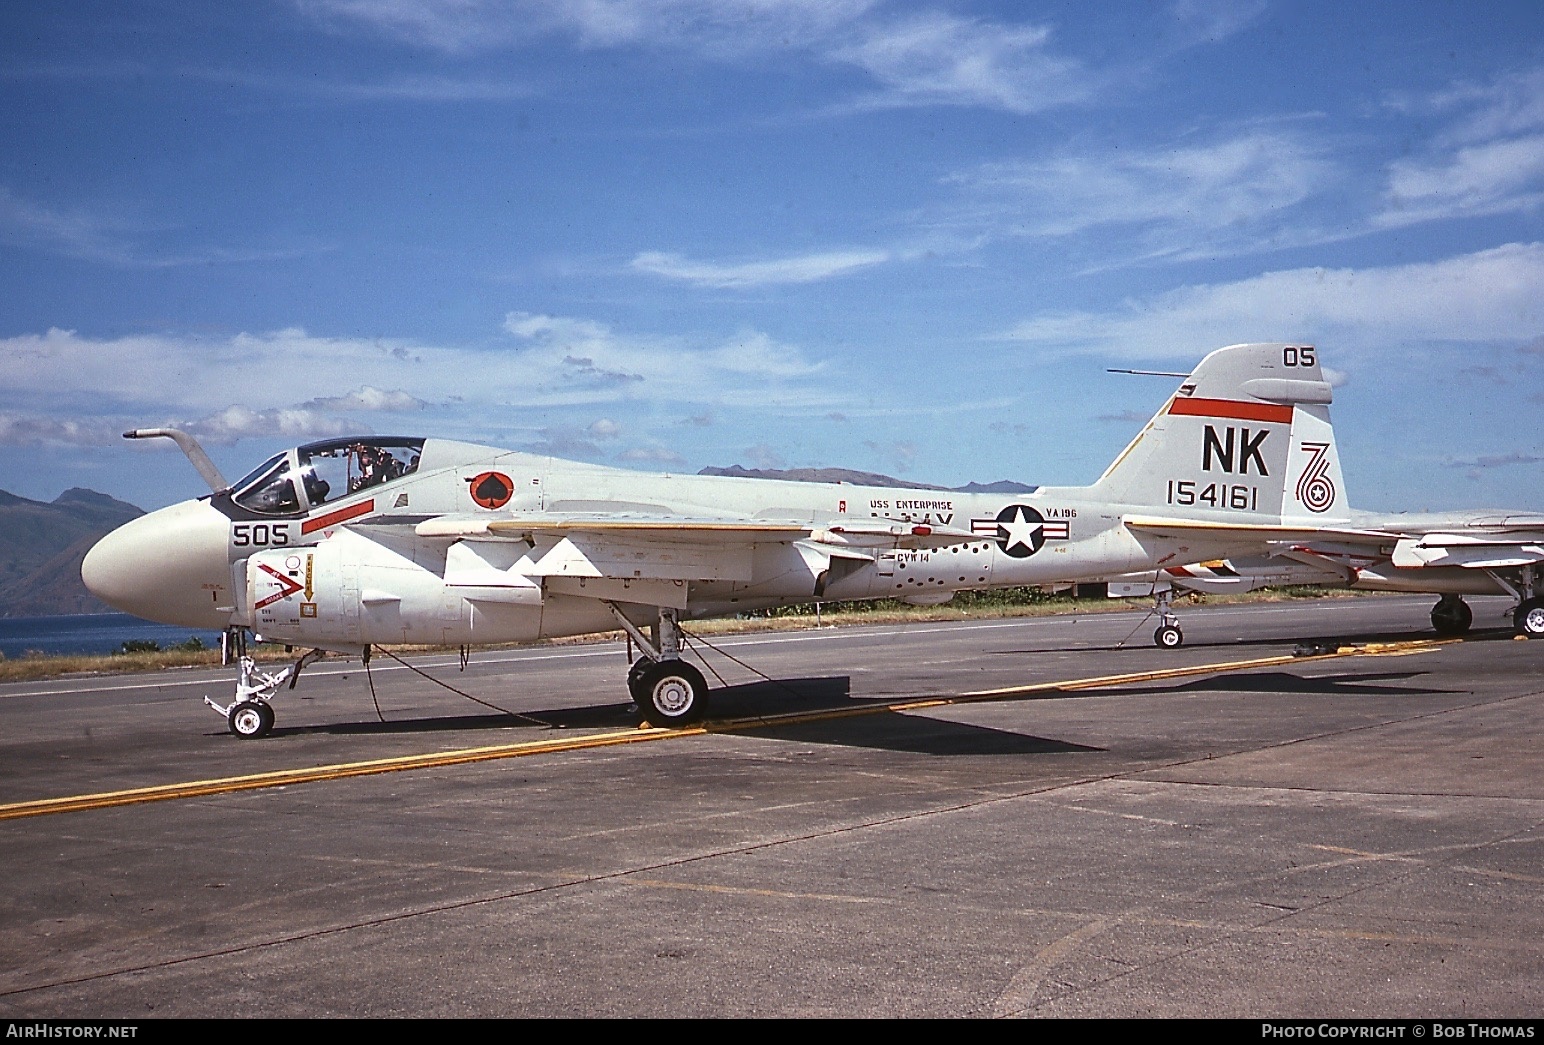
170,566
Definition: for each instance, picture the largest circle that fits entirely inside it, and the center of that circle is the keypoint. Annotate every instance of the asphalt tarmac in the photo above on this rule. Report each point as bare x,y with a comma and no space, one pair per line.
928,820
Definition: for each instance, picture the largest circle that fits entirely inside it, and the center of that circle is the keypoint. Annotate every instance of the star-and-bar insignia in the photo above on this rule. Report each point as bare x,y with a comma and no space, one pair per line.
1022,530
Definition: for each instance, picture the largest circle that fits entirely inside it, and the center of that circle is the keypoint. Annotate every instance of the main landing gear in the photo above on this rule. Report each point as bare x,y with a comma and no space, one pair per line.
1528,618
1168,635
666,689
1527,615
250,716
1451,616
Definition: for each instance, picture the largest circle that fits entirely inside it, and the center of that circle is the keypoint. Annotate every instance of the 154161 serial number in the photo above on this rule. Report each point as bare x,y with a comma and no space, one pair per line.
1237,496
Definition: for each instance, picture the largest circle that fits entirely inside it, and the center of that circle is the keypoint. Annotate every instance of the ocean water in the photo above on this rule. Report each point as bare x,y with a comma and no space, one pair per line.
90,633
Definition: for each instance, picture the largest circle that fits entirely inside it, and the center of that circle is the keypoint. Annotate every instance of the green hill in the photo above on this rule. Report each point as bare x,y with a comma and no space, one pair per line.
42,545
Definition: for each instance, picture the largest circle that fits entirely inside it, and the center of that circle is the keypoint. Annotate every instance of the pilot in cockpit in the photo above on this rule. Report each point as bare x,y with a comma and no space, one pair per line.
364,456
376,465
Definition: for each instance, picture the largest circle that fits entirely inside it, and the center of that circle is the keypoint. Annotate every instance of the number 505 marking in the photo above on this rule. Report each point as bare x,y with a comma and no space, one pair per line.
245,534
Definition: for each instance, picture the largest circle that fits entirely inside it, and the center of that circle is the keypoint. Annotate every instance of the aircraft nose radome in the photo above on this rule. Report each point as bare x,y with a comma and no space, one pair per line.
169,566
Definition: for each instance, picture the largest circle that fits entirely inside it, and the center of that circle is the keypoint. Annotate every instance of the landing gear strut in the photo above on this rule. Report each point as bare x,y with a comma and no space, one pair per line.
667,690
250,716
1168,635
1451,616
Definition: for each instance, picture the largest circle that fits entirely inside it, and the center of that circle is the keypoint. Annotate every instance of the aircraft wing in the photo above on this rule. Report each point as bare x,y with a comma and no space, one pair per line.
1160,526
694,530
650,559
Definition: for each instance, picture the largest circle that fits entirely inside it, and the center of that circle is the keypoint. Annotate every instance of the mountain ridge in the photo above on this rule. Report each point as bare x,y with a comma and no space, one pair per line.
42,544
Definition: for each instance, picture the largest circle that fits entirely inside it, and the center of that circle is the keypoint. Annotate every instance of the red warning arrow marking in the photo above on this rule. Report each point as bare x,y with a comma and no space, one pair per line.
287,586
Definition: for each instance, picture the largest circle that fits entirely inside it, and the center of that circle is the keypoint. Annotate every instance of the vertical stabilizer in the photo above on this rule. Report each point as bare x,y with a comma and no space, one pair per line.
1246,438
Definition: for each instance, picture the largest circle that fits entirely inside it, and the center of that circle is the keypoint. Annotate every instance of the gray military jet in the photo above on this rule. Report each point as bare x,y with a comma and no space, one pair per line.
344,544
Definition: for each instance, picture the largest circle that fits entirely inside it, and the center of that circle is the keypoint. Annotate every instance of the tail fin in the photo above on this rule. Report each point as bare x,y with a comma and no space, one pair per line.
1246,438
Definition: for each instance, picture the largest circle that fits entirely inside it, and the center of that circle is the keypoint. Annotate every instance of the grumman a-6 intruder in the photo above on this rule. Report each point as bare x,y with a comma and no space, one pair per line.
345,544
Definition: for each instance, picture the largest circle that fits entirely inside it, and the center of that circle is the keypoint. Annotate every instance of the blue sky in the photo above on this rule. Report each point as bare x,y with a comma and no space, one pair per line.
894,236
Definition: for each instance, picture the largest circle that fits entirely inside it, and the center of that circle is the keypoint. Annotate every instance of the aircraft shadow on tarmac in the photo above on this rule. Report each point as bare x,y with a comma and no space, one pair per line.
880,729
896,731
1365,683
1139,643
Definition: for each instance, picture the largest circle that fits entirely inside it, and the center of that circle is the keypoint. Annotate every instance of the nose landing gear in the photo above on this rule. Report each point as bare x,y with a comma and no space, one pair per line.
1168,635
250,716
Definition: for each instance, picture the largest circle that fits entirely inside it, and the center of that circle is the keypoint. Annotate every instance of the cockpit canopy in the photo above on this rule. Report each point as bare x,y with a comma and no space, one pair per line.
309,476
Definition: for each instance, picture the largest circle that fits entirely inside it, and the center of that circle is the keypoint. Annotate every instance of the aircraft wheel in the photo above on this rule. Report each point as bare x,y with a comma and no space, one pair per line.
1529,618
635,673
1451,616
250,720
671,693
1169,637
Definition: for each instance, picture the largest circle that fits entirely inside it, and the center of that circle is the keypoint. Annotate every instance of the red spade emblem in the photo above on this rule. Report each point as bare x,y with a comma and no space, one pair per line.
492,489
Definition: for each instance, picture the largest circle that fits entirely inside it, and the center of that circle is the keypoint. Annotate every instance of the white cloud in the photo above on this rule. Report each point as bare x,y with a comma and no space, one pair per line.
87,236
1241,190
652,455
581,357
1509,105
1488,160
1210,21
368,398
1491,178
1496,461
21,430
74,233
239,422
722,27
930,58
807,268
554,328
228,388
763,455
753,354
940,59
1494,295
901,454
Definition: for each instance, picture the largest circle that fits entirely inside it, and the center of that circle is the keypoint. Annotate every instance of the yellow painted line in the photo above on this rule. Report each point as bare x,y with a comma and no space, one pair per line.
315,774
465,756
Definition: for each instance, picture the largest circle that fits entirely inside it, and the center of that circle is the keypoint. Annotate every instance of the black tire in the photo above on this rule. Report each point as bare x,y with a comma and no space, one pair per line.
1169,637
1529,618
250,720
670,693
1451,616
634,674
